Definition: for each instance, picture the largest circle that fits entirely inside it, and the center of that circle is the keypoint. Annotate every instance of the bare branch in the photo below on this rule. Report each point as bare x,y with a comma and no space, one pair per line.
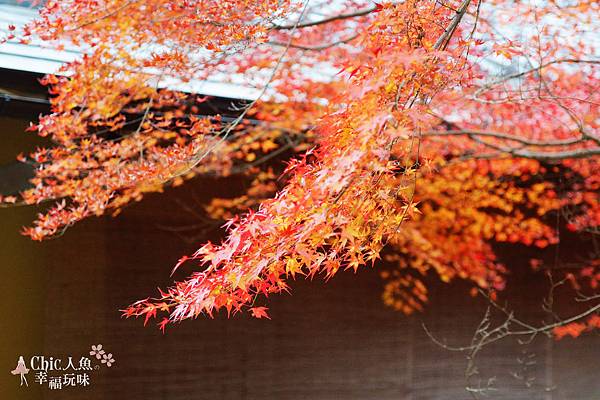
531,70
512,138
339,17
315,48
548,156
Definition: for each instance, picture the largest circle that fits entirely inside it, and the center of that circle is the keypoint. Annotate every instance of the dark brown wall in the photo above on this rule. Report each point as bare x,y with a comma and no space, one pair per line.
326,341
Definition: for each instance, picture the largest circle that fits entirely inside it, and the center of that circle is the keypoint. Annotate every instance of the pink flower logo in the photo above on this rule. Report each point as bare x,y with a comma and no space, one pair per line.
97,351
108,359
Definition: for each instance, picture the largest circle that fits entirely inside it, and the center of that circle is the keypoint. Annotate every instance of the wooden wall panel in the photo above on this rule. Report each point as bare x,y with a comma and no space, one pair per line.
326,341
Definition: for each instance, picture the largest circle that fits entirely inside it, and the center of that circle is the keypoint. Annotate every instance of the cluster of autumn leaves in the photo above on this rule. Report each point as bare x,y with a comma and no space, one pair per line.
409,148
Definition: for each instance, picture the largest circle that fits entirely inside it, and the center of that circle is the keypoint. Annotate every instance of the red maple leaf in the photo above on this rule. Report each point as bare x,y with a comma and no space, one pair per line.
163,324
259,312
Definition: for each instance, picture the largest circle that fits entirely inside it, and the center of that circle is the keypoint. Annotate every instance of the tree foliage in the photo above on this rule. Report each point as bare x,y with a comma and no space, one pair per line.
427,132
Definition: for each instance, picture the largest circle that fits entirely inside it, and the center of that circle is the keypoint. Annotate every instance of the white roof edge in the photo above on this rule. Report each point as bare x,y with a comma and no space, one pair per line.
37,59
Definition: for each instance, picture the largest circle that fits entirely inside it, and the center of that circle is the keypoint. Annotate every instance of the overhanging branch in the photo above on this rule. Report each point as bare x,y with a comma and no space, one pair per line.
339,17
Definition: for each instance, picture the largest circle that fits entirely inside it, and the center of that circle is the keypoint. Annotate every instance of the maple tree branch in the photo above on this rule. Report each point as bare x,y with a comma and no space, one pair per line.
586,135
512,138
339,17
541,155
487,333
105,16
440,44
531,70
503,330
444,39
315,48
556,156
583,298
198,158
